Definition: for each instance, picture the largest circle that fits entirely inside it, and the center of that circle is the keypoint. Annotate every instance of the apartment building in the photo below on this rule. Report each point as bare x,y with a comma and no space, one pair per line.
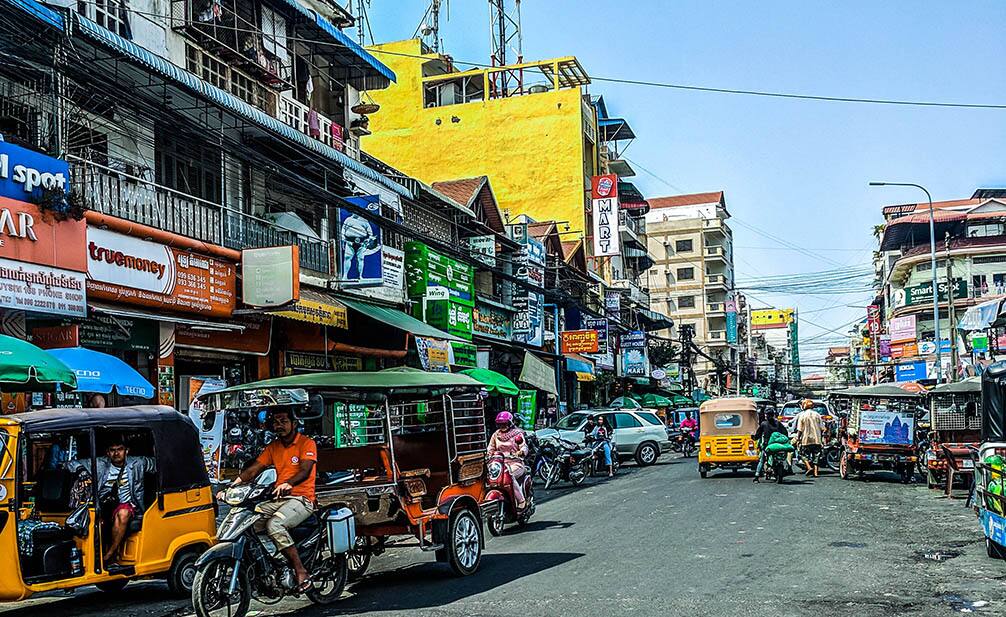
692,277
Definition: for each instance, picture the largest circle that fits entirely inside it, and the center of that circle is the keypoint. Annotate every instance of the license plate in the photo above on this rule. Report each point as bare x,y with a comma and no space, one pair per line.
885,458
967,464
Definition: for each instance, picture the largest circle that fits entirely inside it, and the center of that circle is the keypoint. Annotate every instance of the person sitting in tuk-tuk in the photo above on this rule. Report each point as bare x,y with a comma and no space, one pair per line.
294,456
120,490
769,425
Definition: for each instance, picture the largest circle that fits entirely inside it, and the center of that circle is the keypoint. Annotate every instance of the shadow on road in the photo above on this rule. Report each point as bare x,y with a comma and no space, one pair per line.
155,595
430,585
534,526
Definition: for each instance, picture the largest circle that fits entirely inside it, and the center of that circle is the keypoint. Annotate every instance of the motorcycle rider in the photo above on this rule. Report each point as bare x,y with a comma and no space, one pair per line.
509,441
294,456
602,432
770,425
689,426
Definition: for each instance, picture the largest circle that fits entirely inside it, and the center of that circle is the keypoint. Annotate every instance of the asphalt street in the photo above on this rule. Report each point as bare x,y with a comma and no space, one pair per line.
661,541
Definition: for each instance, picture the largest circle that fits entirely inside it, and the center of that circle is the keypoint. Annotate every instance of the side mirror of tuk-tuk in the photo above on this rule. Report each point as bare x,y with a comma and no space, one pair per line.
314,410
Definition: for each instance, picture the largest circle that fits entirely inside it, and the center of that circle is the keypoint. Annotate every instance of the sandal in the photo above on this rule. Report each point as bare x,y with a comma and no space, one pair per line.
304,586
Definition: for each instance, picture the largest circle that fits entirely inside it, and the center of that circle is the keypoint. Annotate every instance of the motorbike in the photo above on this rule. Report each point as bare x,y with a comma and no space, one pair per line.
245,565
682,441
597,455
777,466
500,484
571,462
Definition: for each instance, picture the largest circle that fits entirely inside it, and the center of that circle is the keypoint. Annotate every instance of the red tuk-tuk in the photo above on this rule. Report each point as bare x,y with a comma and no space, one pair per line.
879,432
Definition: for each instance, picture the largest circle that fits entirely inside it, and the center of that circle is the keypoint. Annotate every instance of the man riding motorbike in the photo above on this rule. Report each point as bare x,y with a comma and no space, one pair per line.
690,426
770,425
294,456
509,441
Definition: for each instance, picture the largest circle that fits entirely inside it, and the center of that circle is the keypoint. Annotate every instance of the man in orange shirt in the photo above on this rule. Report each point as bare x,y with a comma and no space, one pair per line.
294,456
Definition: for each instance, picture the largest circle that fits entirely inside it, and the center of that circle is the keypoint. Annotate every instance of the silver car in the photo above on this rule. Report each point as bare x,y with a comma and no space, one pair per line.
638,433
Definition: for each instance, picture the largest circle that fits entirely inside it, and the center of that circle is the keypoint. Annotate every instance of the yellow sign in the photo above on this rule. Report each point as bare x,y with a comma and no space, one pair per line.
317,308
771,318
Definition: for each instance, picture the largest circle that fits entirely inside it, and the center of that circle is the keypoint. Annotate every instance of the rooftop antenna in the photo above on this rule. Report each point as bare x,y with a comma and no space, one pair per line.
362,21
429,27
507,45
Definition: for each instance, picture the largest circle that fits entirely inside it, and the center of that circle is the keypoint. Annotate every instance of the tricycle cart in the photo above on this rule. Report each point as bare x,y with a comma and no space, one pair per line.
403,449
956,424
879,431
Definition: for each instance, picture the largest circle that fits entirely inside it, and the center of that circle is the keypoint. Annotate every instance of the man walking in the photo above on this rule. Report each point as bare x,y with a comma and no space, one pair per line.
809,428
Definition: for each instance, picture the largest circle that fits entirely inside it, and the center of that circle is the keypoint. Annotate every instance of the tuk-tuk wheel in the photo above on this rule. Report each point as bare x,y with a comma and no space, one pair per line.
464,542
907,474
703,471
993,550
113,586
843,466
182,573
359,558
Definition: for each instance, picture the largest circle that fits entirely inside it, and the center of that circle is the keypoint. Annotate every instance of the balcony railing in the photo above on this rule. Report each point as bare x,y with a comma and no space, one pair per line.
717,335
714,251
121,195
295,114
715,307
636,224
717,280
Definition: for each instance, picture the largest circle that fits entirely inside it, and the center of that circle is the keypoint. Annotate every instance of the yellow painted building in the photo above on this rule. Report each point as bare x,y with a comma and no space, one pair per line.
537,143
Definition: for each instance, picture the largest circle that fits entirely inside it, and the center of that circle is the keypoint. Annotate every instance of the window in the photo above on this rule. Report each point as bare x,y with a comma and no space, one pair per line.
111,14
727,420
184,165
683,246
686,301
999,282
626,420
651,418
991,259
979,285
571,422
686,274
985,230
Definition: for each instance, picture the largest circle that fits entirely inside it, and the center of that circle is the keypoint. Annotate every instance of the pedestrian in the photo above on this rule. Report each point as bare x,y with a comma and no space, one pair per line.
809,433
770,425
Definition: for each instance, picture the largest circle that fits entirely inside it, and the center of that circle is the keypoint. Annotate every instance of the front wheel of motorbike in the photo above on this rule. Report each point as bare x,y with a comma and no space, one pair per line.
495,523
328,580
210,597
843,466
580,472
833,458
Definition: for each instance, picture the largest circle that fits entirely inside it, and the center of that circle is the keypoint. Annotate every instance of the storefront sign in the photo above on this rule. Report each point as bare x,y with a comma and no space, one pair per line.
579,341
673,371
426,268
884,346
434,354
451,317
41,289
873,319
634,339
902,328
254,339
601,326
527,408
306,361
529,319
613,304
463,354
56,337
979,342
24,173
923,294
634,362
604,200
127,269
360,263
537,373
270,276
731,319
886,427
483,248
910,372
491,322
26,234
315,307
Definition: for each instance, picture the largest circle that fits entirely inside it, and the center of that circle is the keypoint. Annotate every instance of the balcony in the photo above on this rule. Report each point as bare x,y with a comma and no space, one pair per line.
637,294
631,228
131,198
715,226
715,253
716,281
296,115
715,337
716,309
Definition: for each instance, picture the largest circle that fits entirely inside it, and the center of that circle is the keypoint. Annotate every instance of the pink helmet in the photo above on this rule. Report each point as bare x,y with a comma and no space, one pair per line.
504,418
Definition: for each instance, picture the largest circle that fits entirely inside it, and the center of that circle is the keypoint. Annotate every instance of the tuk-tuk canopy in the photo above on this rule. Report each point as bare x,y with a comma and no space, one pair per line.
728,416
994,402
971,385
176,441
883,390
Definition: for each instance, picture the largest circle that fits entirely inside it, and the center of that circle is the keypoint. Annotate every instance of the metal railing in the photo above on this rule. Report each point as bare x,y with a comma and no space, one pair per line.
636,224
297,115
106,190
714,251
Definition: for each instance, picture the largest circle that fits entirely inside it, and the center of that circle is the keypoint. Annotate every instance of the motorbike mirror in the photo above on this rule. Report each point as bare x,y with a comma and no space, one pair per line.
266,478
314,409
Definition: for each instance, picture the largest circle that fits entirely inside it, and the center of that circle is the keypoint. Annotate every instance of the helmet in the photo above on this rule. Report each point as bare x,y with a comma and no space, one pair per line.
504,418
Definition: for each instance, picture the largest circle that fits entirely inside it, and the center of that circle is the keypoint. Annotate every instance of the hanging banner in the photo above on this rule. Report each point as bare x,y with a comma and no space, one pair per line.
604,201
579,341
434,354
360,263
613,304
884,346
902,328
634,362
873,318
211,435
601,326
537,373
270,276
886,427
483,248
527,408
731,306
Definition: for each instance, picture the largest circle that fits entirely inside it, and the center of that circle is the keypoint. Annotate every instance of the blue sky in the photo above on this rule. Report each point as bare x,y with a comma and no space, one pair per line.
796,169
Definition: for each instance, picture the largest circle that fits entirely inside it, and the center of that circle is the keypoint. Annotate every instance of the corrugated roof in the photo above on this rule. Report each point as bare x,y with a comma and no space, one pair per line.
692,199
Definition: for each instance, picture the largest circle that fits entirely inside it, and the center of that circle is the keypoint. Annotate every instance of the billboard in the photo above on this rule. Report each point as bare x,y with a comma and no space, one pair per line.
923,294
764,319
360,247
886,427
902,329
604,201
579,341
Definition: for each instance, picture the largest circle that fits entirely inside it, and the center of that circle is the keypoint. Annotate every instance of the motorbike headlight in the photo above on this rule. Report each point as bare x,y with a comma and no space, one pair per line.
495,470
236,495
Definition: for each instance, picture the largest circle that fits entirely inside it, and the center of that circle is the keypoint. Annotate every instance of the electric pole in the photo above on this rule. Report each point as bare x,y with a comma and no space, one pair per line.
952,331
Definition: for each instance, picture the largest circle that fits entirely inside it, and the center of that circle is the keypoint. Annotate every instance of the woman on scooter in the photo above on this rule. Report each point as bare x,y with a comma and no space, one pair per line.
509,441
602,432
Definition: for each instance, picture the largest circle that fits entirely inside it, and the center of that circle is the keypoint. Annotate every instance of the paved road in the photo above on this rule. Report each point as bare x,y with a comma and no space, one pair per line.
660,541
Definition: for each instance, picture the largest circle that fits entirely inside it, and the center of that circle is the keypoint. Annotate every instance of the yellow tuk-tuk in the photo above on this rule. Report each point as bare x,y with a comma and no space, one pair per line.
726,426
52,527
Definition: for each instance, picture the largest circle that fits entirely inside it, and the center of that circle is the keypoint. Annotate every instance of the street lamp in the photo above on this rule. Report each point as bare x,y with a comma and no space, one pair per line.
932,258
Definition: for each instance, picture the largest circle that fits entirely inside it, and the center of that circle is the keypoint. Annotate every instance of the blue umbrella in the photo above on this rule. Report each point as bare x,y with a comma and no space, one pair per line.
100,372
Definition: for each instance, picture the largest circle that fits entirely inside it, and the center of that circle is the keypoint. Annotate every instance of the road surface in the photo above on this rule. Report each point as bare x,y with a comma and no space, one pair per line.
661,541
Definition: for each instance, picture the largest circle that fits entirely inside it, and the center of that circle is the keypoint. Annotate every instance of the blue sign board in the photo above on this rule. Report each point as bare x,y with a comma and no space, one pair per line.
910,372
25,173
731,327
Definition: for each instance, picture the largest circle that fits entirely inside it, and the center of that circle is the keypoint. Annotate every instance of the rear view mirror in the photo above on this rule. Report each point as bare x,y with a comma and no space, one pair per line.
314,410
266,478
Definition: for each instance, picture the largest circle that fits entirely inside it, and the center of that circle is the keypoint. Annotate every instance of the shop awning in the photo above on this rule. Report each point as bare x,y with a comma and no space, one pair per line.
102,373
652,320
197,324
494,382
537,373
397,319
576,365
981,316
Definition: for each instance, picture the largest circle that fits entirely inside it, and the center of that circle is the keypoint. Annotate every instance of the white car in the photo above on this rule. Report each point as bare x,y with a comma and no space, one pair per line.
637,432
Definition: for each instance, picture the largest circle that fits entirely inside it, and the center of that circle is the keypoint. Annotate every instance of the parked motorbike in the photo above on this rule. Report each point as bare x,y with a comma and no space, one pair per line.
244,565
570,461
500,484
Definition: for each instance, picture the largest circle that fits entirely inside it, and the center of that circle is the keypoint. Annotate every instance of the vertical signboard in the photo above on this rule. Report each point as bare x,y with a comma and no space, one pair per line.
604,202
873,318
360,262
613,304
731,306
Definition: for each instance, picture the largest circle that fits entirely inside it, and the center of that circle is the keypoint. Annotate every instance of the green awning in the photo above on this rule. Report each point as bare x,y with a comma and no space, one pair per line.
388,379
397,319
27,368
493,381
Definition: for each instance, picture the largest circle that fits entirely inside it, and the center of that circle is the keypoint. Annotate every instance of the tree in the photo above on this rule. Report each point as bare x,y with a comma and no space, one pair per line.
662,353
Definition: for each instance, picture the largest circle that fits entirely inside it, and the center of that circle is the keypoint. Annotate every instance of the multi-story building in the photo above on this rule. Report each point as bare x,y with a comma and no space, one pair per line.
692,279
970,268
